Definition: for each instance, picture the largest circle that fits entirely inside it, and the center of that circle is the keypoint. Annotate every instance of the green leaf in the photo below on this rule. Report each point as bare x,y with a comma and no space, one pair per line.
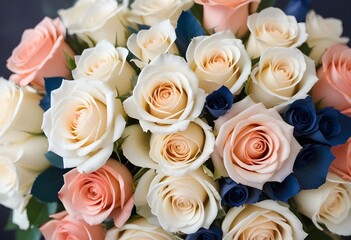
265,4
316,234
48,183
54,159
30,234
305,49
39,212
70,62
197,11
10,226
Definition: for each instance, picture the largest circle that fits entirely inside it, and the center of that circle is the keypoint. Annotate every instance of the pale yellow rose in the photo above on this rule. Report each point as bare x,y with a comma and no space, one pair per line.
263,220
184,203
329,205
282,76
176,153
94,20
104,62
219,59
273,28
146,45
322,33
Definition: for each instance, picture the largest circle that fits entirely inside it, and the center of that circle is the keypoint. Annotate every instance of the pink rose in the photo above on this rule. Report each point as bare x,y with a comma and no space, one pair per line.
64,226
96,196
341,166
334,85
254,145
41,53
220,15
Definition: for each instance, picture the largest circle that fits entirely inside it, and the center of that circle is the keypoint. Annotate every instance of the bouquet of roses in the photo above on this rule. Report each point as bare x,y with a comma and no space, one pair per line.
178,119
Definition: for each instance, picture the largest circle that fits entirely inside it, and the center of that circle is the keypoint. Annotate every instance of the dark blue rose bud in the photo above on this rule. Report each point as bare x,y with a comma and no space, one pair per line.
213,233
51,84
298,8
219,102
312,164
302,115
283,191
234,194
334,128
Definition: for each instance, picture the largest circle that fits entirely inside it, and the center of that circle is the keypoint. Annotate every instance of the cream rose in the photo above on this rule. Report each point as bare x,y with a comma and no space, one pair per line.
273,28
176,154
282,76
17,104
322,33
254,145
219,59
329,205
106,63
21,162
96,20
150,12
184,203
84,121
264,220
138,229
148,44
166,97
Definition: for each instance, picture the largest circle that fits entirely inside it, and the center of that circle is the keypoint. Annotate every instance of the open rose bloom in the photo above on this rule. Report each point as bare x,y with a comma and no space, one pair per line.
179,119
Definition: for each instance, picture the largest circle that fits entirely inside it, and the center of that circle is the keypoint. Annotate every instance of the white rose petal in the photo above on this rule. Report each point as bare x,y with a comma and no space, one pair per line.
18,103
184,203
282,76
106,63
264,220
329,205
166,97
322,33
84,121
146,45
96,20
219,59
273,28
151,12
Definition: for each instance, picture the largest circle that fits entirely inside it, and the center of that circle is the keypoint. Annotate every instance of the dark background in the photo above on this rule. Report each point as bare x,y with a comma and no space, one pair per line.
18,15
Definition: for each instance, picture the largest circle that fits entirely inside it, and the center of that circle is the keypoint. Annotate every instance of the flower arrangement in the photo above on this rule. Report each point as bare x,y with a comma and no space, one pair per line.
178,120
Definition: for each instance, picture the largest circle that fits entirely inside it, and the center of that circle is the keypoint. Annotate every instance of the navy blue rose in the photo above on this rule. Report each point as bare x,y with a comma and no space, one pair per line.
302,115
298,8
219,102
334,128
312,164
234,194
51,84
213,233
282,191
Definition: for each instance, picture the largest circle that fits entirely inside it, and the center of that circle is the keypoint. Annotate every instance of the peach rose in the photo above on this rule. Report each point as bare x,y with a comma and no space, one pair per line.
341,166
105,193
254,145
41,53
64,226
222,15
334,85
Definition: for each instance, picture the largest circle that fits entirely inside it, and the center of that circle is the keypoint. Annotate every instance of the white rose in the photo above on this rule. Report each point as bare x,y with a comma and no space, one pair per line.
20,216
20,111
20,163
219,59
273,28
150,12
138,229
329,205
176,154
106,63
166,97
96,20
282,76
322,33
146,45
184,203
84,121
263,220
